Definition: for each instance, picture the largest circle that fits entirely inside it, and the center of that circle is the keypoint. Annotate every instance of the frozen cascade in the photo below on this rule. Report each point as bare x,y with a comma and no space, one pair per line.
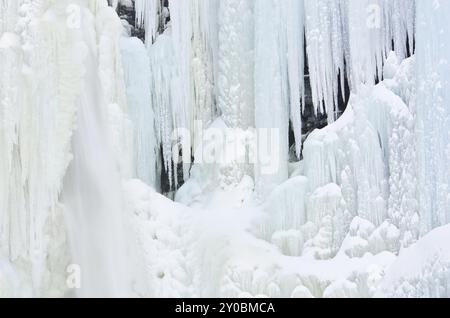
161,56
362,167
183,70
92,194
84,110
37,94
234,85
181,97
137,78
372,28
92,198
367,44
275,52
42,56
109,31
344,38
192,75
194,34
326,49
293,11
375,134
353,38
433,111
202,65
148,16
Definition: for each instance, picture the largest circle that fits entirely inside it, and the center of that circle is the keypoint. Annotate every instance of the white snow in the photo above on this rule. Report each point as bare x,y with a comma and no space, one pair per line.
421,270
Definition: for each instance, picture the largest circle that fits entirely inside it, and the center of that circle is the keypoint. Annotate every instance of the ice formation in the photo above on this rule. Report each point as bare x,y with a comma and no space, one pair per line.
148,13
136,65
278,84
95,125
43,75
353,38
432,112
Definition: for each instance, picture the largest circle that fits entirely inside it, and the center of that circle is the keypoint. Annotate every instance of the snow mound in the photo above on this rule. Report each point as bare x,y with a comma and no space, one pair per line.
423,270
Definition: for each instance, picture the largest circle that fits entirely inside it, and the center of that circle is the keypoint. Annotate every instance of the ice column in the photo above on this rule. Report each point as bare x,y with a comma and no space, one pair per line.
138,83
278,87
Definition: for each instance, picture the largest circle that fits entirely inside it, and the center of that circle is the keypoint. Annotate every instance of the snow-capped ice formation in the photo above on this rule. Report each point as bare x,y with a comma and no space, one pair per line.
361,166
422,270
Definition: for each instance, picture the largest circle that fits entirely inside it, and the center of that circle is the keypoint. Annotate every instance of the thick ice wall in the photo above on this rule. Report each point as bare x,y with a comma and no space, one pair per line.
42,56
38,106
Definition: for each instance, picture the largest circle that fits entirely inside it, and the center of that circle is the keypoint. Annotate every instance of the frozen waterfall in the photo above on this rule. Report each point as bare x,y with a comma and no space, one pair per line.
224,148
93,198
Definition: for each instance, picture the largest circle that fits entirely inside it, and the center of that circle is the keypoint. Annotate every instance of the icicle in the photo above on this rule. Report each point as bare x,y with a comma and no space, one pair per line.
368,44
353,38
325,48
161,62
147,16
293,11
137,77
182,103
190,76
278,85
373,27
402,15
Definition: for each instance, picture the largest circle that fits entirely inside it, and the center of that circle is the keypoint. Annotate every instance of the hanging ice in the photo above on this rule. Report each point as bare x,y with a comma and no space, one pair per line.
148,15
325,38
42,51
278,87
137,78
40,82
352,38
